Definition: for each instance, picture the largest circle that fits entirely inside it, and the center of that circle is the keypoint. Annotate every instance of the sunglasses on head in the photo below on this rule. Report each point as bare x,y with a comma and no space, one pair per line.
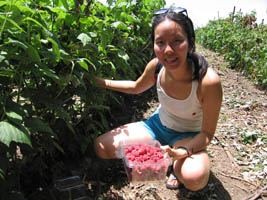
175,10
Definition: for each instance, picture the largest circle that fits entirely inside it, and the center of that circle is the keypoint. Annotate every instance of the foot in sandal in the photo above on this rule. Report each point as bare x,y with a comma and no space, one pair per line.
173,182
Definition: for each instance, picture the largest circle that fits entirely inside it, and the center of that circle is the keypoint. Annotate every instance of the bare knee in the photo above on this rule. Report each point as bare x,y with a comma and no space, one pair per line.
194,172
195,180
106,144
100,148
196,183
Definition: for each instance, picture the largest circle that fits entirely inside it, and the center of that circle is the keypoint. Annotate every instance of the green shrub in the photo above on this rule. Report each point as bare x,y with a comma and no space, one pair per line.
242,41
50,52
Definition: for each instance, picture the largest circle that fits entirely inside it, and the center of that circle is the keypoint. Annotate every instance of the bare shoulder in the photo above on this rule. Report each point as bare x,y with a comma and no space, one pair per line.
211,84
147,79
211,78
151,66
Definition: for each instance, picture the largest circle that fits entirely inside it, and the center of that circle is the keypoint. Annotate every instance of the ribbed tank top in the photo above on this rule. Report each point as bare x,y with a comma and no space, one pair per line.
180,115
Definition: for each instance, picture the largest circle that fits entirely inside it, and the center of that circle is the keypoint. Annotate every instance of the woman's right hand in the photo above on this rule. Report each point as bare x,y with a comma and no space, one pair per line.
100,82
176,154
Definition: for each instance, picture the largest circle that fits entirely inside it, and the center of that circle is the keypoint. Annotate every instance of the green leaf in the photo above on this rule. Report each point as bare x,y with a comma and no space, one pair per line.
122,4
105,40
37,125
17,109
85,39
120,25
33,54
2,58
18,43
124,56
47,33
57,10
55,48
58,146
92,34
133,19
10,133
2,3
84,65
14,117
48,72
112,66
33,20
65,4
7,73
2,18
24,8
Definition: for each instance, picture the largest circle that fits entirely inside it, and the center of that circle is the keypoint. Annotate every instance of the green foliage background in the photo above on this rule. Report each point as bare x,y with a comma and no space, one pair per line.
241,40
50,52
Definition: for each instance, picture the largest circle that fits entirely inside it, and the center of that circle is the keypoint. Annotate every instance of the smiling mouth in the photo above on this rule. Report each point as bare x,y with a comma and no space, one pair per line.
171,60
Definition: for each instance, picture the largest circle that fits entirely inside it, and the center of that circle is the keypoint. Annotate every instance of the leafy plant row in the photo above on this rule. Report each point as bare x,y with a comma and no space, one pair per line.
242,41
50,52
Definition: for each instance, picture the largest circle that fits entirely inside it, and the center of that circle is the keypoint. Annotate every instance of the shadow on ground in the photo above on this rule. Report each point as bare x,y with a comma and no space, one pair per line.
213,191
111,183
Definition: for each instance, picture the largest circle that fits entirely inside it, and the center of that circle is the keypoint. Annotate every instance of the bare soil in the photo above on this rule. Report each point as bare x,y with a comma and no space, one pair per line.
238,152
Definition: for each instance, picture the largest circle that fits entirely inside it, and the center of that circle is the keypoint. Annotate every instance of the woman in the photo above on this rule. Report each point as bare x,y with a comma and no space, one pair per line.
190,97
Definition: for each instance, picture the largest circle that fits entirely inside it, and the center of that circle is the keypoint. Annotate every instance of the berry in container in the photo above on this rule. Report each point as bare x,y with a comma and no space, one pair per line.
144,160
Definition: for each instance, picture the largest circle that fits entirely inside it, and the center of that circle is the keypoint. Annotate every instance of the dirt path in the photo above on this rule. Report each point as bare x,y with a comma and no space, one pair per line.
237,169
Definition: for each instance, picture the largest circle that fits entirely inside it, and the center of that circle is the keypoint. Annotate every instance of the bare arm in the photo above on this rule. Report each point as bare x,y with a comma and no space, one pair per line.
144,82
211,92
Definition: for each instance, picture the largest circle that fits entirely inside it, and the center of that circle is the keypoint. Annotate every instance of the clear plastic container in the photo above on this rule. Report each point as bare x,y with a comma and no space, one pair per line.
144,160
70,188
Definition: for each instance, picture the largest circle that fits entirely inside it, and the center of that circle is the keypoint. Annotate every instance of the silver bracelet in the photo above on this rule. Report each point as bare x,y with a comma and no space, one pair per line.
187,151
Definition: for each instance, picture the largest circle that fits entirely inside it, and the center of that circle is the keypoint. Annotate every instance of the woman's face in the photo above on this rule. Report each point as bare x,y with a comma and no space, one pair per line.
171,44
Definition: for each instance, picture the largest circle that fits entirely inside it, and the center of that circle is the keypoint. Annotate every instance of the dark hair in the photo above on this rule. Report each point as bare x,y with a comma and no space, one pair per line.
201,64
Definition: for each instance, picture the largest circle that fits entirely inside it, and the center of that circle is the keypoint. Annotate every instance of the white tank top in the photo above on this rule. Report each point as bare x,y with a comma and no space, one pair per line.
180,115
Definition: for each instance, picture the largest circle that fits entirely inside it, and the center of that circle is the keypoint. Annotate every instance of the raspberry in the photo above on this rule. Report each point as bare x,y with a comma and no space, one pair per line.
147,161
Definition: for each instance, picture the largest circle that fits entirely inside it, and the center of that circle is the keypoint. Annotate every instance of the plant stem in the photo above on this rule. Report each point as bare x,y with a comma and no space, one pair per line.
4,23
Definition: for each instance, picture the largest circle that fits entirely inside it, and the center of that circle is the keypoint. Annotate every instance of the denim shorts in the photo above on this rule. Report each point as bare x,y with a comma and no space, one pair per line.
163,134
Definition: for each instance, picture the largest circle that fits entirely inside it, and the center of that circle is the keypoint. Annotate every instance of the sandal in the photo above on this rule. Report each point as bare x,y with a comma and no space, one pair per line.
173,177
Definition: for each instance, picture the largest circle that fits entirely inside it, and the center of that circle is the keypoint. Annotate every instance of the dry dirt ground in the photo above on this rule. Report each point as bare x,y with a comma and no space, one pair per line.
238,152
